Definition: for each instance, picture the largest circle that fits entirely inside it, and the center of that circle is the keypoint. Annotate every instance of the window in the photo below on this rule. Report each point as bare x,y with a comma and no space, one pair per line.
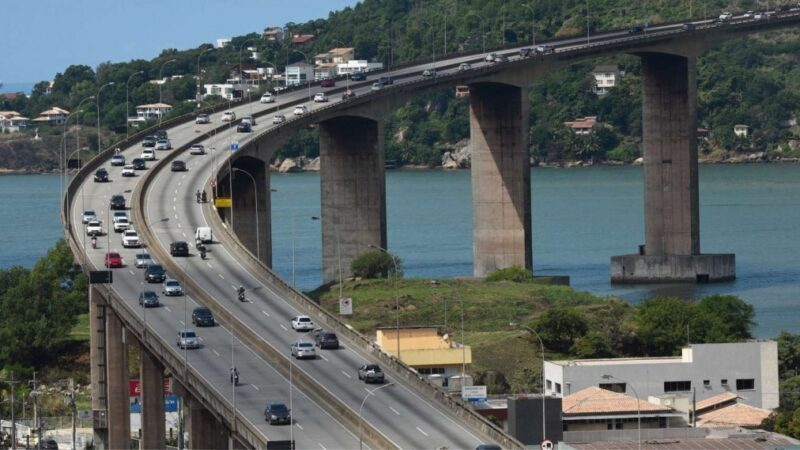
747,384
431,371
707,383
614,387
558,388
677,386
549,385
723,381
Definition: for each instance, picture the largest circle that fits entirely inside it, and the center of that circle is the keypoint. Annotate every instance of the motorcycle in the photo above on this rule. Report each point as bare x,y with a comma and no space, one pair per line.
198,196
202,252
203,197
235,378
241,296
94,242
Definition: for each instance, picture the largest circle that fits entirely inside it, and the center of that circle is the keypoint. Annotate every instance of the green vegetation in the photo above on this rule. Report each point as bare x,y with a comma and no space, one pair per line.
787,418
377,264
514,273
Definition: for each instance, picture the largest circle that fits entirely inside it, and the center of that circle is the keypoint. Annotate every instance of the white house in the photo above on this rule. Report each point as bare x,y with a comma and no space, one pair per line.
53,116
222,42
298,73
582,127
273,34
741,130
12,122
151,111
357,65
606,76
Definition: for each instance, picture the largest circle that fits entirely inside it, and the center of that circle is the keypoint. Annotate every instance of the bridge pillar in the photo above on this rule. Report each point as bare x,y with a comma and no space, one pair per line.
151,376
251,218
353,191
203,428
119,420
97,371
671,201
501,180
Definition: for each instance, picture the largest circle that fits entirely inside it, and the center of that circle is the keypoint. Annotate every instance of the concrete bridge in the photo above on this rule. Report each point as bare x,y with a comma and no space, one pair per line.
254,336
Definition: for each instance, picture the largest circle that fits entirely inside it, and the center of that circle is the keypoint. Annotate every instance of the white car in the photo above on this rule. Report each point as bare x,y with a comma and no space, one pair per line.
130,238
202,118
171,287
128,171
490,57
299,110
148,154
188,339
89,215
320,97
303,349
117,160
197,149
278,118
94,228
117,214
429,73
228,116
267,98
163,144
302,323
121,224
142,260
464,66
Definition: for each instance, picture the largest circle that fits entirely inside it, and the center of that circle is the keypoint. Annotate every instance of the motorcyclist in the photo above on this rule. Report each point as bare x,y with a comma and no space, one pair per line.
241,293
198,196
202,248
94,241
234,375
203,197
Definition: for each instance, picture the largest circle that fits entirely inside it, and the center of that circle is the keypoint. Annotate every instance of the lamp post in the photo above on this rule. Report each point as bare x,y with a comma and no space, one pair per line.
255,192
533,332
12,383
396,297
308,79
360,417
483,36
588,27
241,72
97,97
127,112
433,42
63,147
638,409
533,23
160,84
199,79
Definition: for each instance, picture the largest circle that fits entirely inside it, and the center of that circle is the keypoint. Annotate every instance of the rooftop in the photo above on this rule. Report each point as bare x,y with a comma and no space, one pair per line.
751,441
736,415
715,401
594,400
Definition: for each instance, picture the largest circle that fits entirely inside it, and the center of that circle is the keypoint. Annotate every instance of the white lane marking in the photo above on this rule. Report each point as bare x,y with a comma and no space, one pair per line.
298,426
284,327
132,272
346,374
215,352
184,234
220,275
176,193
321,446
208,264
167,308
255,387
394,411
420,430
323,357
179,226
182,323
174,208
265,313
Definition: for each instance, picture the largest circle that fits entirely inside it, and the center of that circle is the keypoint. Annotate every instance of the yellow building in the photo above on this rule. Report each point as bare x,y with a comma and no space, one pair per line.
425,350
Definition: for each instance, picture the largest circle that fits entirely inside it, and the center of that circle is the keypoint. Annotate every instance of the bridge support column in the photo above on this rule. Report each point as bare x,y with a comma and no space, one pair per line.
251,218
119,420
671,200
203,428
353,191
501,180
151,374
97,371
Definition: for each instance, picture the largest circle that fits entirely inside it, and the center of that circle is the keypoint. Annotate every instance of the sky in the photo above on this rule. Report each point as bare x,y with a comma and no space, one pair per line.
45,37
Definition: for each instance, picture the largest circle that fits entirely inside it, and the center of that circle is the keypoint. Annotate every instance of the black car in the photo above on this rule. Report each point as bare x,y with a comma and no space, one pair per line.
179,248
138,164
178,166
277,413
148,299
161,134
117,202
47,444
358,76
386,80
636,29
155,273
244,127
202,317
526,52
101,175
149,141
326,339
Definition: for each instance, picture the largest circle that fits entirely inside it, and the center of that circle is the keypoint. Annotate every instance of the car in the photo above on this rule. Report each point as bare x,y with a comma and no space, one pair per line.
148,154
128,171
299,110
47,444
377,86
348,94
130,238
358,76
302,323
88,215
163,144
188,339
320,97
278,118
326,339
748,14
171,287
228,116
101,175
386,80
758,16
177,166
155,273
142,260
268,98
490,57
117,214
149,141
161,134
488,447
117,202
138,164
636,29
148,299
202,118
94,228
112,260
526,52
544,49
464,66
726,16
302,350
179,248
117,160
244,127
327,82
249,119
197,149
277,413
429,73
371,373
121,224
202,317
500,58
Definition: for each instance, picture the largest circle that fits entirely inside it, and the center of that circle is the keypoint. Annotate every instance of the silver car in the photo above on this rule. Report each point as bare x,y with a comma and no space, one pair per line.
188,339
302,350
171,287
143,260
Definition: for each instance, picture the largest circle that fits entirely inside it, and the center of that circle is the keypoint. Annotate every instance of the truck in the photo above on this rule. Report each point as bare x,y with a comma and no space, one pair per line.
203,235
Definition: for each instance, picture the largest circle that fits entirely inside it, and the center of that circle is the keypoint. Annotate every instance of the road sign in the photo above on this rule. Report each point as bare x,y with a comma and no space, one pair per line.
101,277
345,306
234,146
222,202
135,387
473,393
547,445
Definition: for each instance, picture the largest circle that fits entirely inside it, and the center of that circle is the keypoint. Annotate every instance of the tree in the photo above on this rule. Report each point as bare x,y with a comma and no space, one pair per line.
788,355
376,264
592,345
723,318
663,324
559,327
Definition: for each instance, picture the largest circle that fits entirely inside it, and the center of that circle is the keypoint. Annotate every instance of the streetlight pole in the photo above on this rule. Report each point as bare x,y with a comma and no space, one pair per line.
638,409
483,36
12,382
63,159
533,23
255,192
127,111
199,78
396,297
160,84
588,40
541,344
97,97
360,417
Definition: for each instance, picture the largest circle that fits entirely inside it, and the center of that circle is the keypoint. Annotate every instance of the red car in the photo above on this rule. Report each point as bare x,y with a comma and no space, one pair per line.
328,82
113,260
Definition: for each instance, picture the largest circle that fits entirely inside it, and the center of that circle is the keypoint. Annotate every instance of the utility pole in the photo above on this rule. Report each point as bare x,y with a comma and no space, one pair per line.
73,409
12,382
34,393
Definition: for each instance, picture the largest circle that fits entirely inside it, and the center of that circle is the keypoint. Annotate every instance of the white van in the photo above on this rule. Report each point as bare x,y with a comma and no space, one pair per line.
203,234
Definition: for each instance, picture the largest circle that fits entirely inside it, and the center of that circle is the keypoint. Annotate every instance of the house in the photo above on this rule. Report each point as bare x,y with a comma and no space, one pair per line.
223,42
300,39
606,76
53,116
741,130
357,65
273,34
12,122
703,133
298,73
244,71
582,127
594,408
425,350
148,112
335,55
747,369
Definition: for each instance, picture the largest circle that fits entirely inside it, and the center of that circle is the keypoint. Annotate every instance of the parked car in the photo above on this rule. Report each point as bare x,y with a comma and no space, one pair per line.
112,260
302,323
148,299
327,83
130,238
464,66
371,373
120,223
138,164
94,228
171,287
228,116
726,16
202,317
188,339
177,166
358,76
155,273
128,171
326,339
179,248
302,350
148,154
142,260
117,160
101,175
117,202
277,413
202,118
249,119
268,98
88,215
244,127
429,73
320,97
47,444
197,149
149,141
163,144
278,118
299,110
386,80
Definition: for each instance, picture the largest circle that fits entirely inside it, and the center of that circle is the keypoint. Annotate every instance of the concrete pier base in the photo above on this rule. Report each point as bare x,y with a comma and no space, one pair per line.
633,269
203,428
97,341
119,419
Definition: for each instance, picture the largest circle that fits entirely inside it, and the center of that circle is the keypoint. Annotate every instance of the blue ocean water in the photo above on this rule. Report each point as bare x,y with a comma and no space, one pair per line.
26,88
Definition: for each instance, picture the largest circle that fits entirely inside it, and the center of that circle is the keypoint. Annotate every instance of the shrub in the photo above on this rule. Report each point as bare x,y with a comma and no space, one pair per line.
376,264
514,273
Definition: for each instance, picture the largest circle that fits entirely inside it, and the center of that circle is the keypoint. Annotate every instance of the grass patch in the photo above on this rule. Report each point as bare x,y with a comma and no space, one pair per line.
80,332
